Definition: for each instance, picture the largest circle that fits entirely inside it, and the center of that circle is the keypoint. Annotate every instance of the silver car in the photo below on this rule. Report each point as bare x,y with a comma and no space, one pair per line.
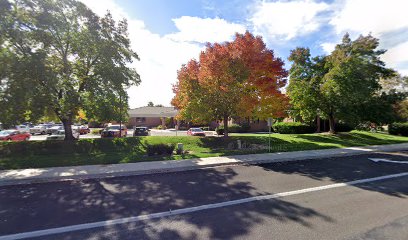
39,129
60,135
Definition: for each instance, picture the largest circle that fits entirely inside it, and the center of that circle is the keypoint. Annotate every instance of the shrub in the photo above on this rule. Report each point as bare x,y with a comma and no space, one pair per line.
233,128
160,149
398,129
69,147
343,127
293,128
96,131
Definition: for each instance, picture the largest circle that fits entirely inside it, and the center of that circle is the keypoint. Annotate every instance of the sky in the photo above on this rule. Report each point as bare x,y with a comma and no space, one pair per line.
168,33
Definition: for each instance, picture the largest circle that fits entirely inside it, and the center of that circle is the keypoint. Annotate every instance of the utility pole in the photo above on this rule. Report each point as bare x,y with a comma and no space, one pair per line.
120,115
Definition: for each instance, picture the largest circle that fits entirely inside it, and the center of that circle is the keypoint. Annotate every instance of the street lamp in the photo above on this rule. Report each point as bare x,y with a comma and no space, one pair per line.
318,120
120,115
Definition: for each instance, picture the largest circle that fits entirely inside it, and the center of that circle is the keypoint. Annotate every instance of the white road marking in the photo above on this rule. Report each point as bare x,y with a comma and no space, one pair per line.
386,160
86,226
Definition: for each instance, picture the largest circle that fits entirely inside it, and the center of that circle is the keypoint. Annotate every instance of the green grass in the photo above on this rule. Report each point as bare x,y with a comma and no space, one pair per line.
17,155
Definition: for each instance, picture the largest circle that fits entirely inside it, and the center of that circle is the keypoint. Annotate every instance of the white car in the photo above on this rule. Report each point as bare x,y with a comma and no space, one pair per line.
39,129
60,135
54,129
23,128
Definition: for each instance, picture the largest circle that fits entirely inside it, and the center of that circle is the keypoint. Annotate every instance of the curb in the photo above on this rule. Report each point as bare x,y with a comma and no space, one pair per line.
250,159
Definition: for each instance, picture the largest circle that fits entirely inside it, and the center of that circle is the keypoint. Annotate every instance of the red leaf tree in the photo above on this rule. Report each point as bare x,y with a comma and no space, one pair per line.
241,78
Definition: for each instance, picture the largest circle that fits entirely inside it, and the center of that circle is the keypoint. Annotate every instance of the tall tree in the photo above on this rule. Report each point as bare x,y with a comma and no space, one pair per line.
241,78
60,56
342,84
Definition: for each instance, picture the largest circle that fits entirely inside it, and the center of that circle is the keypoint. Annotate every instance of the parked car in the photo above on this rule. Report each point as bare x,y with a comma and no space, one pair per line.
23,128
195,132
54,129
60,135
141,131
39,129
14,135
114,131
83,129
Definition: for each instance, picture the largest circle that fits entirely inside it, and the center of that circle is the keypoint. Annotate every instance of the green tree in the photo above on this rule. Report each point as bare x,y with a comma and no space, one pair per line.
59,56
342,85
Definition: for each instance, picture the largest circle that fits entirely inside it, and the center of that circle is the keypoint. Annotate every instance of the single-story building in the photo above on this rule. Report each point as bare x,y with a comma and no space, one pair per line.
151,116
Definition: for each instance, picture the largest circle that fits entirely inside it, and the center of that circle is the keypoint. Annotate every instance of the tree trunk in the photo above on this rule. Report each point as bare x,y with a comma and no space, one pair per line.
225,126
331,123
68,129
318,130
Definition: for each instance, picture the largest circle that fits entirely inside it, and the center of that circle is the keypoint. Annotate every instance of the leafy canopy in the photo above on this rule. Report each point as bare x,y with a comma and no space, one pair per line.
343,85
59,56
241,78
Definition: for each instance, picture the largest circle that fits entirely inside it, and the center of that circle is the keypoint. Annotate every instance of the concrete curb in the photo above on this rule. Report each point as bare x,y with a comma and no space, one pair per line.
40,175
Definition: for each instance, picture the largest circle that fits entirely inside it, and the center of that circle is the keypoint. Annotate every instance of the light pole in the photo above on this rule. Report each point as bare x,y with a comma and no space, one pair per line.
318,120
120,115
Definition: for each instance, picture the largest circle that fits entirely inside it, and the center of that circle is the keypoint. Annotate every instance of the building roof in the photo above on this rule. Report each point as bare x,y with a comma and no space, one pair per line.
153,112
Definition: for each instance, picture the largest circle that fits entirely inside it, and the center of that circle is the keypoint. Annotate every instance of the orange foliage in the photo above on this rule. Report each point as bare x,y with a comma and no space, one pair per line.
242,78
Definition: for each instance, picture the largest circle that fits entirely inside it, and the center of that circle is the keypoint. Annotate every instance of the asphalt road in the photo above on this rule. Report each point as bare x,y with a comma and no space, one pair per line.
212,207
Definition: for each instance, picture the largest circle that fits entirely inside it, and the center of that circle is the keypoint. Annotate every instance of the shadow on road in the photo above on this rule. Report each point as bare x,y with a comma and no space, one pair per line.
42,206
346,169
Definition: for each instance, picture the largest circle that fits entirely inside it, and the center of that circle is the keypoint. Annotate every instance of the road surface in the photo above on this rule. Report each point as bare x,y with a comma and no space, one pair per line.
336,198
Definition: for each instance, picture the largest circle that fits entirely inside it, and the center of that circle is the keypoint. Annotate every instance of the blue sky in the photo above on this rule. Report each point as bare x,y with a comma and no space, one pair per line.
167,33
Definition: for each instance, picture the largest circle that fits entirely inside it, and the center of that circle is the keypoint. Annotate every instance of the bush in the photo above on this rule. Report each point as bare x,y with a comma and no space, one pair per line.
160,149
96,131
343,127
100,145
293,128
233,128
398,129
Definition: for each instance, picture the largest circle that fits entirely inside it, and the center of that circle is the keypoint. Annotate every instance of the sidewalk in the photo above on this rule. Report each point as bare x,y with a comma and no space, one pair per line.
24,176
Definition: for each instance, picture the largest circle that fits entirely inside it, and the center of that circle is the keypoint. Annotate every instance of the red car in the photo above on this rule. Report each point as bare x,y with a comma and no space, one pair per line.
14,135
82,129
196,132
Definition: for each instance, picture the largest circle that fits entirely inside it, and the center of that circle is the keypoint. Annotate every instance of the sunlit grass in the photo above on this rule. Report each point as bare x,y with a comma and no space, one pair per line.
91,152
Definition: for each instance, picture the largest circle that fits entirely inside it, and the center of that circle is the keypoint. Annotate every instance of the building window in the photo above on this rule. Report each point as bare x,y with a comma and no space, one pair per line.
140,119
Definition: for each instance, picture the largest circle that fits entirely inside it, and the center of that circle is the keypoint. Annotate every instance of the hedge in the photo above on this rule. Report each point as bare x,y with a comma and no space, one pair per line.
398,129
233,128
69,147
343,127
293,128
160,149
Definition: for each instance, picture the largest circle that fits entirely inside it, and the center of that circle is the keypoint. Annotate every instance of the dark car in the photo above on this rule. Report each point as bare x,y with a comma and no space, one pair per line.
141,131
114,131
196,132
14,135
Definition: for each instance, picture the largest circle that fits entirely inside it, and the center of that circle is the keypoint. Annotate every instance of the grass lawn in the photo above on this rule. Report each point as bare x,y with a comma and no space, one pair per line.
17,155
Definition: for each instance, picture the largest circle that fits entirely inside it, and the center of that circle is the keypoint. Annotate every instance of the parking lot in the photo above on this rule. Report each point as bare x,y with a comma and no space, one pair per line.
153,132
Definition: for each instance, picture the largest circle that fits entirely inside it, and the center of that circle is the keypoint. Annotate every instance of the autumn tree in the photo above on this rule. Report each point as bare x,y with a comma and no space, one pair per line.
59,56
241,78
342,85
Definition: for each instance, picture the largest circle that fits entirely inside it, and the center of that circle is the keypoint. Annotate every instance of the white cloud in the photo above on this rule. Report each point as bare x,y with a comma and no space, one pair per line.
365,16
328,47
287,19
204,30
396,55
162,56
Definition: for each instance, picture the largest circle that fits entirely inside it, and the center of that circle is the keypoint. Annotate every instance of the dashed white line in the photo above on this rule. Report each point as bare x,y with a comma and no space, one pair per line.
86,226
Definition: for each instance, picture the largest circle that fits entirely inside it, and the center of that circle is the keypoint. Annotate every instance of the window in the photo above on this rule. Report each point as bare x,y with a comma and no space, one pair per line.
140,119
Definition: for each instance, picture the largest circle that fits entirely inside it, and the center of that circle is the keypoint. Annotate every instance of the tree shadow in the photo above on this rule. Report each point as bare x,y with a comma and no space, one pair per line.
347,169
50,205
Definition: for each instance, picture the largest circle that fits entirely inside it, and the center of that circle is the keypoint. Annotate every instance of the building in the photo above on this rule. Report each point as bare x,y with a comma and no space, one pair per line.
151,116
